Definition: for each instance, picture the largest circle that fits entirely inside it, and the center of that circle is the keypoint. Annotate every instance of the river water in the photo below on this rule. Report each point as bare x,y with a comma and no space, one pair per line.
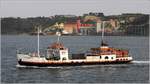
137,72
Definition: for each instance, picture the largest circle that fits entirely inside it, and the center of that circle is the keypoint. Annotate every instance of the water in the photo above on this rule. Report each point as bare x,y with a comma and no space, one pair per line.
137,72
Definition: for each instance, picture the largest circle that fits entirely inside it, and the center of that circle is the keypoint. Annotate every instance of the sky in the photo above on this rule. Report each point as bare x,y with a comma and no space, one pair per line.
34,8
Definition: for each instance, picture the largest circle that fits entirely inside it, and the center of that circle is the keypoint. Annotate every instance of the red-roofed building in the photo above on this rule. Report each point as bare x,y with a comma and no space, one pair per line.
69,27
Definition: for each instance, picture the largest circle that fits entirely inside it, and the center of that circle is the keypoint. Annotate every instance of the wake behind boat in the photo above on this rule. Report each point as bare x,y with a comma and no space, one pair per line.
57,55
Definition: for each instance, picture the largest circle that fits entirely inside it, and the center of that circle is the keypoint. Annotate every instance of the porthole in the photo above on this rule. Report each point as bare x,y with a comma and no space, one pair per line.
100,57
111,57
106,57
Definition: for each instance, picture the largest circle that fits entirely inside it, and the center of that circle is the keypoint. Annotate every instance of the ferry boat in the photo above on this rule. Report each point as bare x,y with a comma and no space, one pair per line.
57,55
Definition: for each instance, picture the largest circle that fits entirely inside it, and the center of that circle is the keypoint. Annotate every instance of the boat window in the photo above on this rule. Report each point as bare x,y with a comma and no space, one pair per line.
61,48
106,57
64,58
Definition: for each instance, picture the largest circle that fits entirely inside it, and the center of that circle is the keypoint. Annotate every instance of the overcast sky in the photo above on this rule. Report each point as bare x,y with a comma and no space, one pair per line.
29,8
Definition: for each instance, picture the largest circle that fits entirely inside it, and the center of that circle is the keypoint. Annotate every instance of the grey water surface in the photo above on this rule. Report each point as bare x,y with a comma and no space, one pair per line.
137,72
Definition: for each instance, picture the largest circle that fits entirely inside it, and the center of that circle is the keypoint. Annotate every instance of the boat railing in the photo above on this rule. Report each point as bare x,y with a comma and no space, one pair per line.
31,52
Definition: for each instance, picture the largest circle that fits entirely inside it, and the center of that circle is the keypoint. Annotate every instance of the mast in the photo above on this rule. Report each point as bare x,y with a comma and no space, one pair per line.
102,42
103,31
58,34
38,43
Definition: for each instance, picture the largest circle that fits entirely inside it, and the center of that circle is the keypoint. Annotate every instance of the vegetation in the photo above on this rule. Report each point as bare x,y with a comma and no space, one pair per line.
128,23
18,25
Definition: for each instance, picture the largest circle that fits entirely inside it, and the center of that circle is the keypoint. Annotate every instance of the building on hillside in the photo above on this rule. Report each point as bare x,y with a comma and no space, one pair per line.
51,30
110,25
87,29
90,25
91,18
79,27
95,21
98,26
82,28
114,23
70,27
59,25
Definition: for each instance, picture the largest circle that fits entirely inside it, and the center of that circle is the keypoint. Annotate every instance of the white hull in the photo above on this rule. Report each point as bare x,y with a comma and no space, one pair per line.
36,61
